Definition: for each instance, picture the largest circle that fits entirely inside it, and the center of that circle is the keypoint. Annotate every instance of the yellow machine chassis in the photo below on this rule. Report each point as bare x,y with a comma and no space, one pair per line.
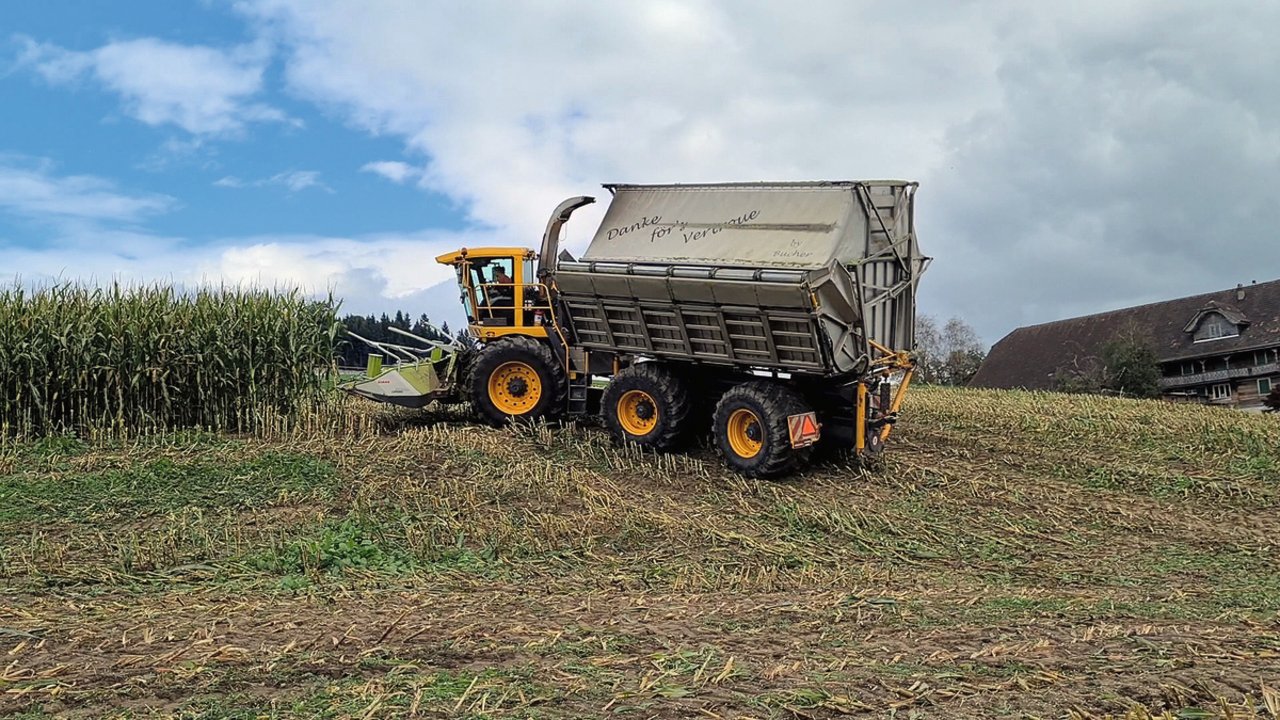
884,364
523,287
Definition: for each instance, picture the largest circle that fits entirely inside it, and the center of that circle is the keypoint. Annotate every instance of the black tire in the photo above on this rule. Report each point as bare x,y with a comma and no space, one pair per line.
771,403
663,393
500,354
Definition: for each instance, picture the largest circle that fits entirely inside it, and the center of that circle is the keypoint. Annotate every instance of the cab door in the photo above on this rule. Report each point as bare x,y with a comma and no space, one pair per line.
497,290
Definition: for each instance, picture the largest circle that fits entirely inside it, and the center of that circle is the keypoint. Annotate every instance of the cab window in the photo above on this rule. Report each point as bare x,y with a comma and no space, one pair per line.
494,281
493,271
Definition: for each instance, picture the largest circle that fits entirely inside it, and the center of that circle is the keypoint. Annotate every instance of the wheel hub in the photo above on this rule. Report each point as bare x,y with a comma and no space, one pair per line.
514,388
637,412
645,410
745,433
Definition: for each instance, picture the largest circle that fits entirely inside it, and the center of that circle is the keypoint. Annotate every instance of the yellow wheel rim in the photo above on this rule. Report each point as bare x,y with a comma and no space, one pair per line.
746,434
514,388
637,412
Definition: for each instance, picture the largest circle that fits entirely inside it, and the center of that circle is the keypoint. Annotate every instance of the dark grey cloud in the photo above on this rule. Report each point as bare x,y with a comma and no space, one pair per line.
1130,160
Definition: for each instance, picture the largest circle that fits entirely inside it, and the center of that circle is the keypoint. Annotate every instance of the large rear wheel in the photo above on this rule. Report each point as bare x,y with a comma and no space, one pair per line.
751,432
516,377
649,405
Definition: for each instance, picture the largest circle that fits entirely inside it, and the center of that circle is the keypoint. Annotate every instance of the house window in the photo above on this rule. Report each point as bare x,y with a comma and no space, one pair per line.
1215,327
1264,386
1221,391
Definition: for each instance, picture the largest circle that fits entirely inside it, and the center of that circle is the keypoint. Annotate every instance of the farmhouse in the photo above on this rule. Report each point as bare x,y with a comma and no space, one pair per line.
1220,348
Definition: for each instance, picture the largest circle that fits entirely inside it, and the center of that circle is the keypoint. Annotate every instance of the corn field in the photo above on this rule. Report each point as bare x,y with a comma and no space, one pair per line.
127,360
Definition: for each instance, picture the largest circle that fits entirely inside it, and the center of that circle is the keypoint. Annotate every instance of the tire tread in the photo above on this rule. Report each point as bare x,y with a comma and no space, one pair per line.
524,349
776,402
675,405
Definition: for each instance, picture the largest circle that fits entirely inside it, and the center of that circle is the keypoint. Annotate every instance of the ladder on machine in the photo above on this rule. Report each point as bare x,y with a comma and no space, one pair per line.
579,389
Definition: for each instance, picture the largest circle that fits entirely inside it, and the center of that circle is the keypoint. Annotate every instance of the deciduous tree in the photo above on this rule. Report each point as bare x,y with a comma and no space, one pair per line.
1272,401
950,355
1125,365
1131,366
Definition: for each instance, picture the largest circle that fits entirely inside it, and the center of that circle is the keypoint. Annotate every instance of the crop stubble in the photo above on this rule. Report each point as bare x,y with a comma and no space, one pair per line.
1018,554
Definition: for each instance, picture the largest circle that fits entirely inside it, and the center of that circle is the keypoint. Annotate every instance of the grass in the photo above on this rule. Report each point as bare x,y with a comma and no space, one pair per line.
162,485
1019,554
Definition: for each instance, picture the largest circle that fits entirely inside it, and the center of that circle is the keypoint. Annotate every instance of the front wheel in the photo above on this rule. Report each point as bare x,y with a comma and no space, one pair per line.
516,377
751,432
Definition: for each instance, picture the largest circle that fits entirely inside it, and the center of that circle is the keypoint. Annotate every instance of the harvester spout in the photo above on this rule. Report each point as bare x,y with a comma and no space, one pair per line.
551,238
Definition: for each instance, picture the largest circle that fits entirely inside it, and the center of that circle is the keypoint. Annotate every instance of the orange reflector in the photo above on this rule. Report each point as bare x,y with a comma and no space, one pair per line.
804,429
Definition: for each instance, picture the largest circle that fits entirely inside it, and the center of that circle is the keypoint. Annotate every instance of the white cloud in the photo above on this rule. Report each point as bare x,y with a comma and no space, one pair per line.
52,63
202,90
403,264
297,180
659,91
393,170
1079,157
370,273
1076,157
31,190
89,230
292,180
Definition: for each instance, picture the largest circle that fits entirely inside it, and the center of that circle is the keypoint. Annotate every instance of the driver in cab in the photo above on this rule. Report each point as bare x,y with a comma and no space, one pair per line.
503,297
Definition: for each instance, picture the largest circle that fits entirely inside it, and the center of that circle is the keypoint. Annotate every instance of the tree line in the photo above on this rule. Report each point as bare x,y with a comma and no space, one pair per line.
353,353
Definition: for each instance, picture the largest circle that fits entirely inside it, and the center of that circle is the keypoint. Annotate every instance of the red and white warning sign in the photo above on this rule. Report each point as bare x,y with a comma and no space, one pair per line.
804,429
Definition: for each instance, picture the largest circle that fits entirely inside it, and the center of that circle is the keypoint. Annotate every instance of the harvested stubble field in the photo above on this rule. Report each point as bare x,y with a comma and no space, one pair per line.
1017,555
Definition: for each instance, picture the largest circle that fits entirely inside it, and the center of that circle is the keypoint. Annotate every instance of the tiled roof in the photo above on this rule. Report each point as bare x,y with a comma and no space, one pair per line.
1029,356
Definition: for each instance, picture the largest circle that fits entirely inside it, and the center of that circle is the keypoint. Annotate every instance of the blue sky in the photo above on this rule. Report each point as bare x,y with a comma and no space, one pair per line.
291,170
1071,159
83,128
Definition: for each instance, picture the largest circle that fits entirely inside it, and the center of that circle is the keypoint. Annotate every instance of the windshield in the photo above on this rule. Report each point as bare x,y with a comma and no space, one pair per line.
492,271
494,288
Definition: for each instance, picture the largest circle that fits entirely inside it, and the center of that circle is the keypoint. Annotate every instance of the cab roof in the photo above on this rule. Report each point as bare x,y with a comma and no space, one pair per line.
483,253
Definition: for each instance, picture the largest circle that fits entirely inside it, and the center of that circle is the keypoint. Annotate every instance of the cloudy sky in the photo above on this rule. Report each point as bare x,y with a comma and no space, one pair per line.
1073,157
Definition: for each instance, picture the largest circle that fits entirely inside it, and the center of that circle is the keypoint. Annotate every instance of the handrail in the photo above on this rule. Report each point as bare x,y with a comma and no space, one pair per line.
508,302
1209,376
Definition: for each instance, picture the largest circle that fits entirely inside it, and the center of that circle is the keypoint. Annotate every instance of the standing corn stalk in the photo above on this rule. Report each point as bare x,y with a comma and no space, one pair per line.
142,359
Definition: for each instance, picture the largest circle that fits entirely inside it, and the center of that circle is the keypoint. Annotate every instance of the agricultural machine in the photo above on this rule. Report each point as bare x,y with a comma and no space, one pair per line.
774,315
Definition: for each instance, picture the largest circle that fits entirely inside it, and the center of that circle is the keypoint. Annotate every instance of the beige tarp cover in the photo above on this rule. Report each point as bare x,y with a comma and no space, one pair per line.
800,225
